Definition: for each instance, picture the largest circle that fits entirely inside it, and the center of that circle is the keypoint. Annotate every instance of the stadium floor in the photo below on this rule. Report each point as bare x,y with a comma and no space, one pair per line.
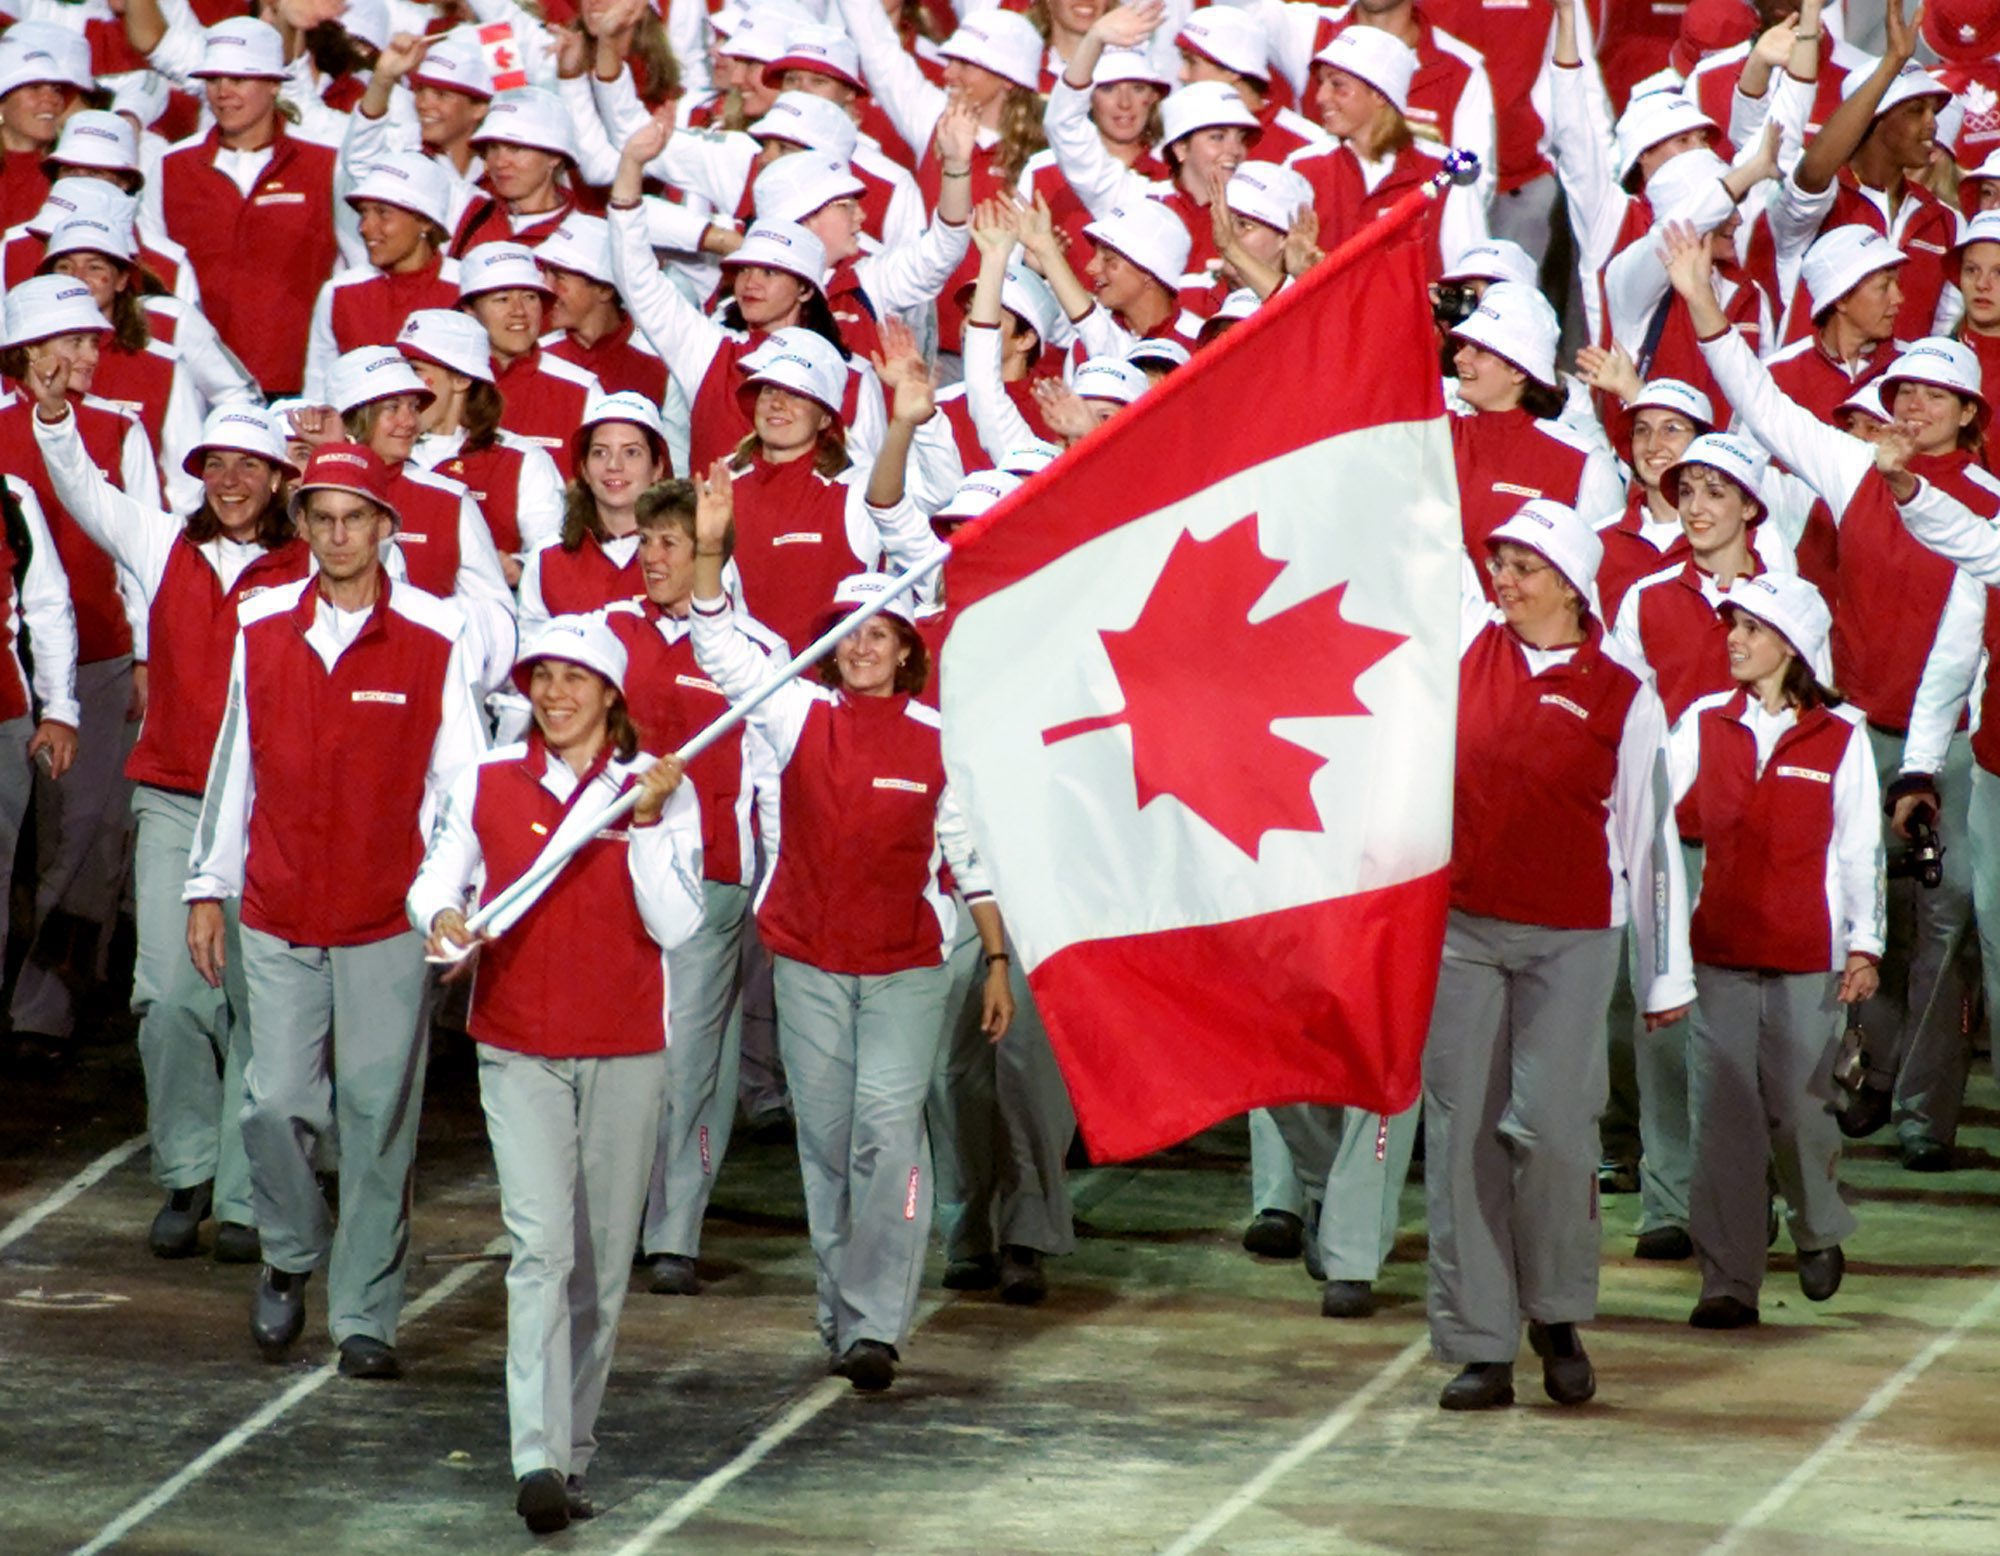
1172,1394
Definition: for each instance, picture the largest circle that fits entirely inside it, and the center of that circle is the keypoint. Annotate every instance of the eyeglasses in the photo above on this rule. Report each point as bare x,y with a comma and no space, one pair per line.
1521,572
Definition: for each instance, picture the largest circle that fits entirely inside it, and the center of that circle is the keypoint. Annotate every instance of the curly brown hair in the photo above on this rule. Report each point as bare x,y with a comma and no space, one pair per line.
1020,133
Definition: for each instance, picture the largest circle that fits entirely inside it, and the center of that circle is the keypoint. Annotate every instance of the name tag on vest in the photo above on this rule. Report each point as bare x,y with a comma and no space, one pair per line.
907,785
290,197
410,537
545,442
1812,773
395,699
1517,491
1919,243
610,835
698,684
1551,699
797,538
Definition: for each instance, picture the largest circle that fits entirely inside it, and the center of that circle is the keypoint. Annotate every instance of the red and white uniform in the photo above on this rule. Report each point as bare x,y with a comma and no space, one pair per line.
1809,375
40,604
1714,84
557,581
620,360
1670,623
545,401
1516,43
1969,631
447,550
366,307
1923,227
1506,457
513,483
1043,179
24,246
1350,192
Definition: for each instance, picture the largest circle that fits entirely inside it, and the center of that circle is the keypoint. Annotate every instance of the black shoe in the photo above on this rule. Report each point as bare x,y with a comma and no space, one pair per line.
673,1275
776,1127
1820,1272
1274,1234
869,1365
1922,1154
1479,1386
1346,1299
1722,1313
1023,1282
1664,1242
277,1311
1864,1112
543,1502
236,1243
176,1229
580,1505
364,1356
1567,1376
979,1273
1615,1177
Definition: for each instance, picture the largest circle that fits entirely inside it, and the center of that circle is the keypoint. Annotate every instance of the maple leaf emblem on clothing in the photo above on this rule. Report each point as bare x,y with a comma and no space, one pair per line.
1203,684
1979,99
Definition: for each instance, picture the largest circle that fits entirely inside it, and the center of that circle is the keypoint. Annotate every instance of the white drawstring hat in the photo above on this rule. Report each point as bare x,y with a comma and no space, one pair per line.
1650,119
1867,401
366,21
1740,461
1379,58
802,363
80,196
1025,459
793,187
1119,63
242,429
1268,193
1554,531
96,138
32,54
44,307
450,339
410,181
1840,259
500,267
786,246
625,405
372,373
808,120
1027,296
1517,323
1942,363
528,116
825,51
1912,82
581,245
455,63
976,493
1226,36
1678,396
1983,228
1236,307
1789,604
114,238
577,640
860,589
1003,42
1495,259
1149,235
1205,105
761,35
242,46
1158,351
1109,378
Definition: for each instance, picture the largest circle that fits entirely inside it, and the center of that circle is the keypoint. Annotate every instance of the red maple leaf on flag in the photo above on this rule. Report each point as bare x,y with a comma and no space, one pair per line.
1203,683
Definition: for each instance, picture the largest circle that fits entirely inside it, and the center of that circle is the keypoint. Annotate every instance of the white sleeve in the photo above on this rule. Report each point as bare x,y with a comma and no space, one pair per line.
687,33
47,614
1857,844
532,612
452,856
1950,670
715,164
903,222
905,93
482,594
1475,612
180,431
596,155
461,735
1648,844
1825,458
1463,222
664,861
222,830
1626,628
1475,128
214,368
138,470
1796,218
995,417
899,279
1102,335
871,414
621,112
320,346
1635,280
133,533
902,533
1584,151
1683,750
1601,494
1950,309
1290,32
538,503
686,339
178,53
1100,180
954,837
1940,521
727,658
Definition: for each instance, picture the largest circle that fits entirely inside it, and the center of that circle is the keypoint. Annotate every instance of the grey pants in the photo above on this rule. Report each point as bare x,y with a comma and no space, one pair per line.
82,827
858,1054
1514,1078
1354,1164
704,975
570,1138
194,1041
1000,1122
1983,843
338,1028
760,1076
1762,1082
1274,1179
1525,216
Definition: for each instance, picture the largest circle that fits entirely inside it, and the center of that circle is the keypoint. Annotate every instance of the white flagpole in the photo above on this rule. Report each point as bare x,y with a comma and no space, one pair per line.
500,914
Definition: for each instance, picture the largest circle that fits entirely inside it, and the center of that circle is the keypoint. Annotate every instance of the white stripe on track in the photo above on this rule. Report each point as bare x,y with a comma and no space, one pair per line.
1321,1436
35,1215
1775,1500
241,1435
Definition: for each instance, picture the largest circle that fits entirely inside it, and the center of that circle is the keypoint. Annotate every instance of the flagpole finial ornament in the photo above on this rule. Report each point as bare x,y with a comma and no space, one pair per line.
1461,167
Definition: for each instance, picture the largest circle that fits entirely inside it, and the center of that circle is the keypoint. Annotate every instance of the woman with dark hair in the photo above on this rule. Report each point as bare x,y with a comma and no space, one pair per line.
1780,784
853,909
571,1071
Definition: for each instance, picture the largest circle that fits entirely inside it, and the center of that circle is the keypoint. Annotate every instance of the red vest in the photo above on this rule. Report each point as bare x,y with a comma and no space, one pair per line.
1436,89
957,408
542,406
491,476
1808,375
1633,42
857,812
22,255
1345,204
102,632
526,995
1066,207
339,761
370,311
1686,640
1715,88
23,185
262,309
140,382
717,421
1513,35
1765,837
577,582
852,311
791,545
428,535
1537,764
1629,556
617,362
1928,235
1504,458
190,639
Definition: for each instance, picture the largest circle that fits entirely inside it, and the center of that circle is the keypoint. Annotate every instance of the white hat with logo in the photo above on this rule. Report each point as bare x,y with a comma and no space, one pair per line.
530,116
80,196
1517,323
580,245
802,362
372,373
1268,193
43,307
976,493
809,120
1495,259
241,429
1788,603
242,46
577,640
1379,58
624,405
1840,259
1003,42
408,180
113,237
786,246
97,138
1652,118
1149,235
448,338
1554,530
1205,105
1944,364
1229,37
500,267
1738,459
1678,396
792,188
455,63
825,51
1110,378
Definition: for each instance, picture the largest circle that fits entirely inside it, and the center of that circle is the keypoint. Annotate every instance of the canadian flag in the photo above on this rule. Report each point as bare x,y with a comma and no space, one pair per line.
1199,703
503,58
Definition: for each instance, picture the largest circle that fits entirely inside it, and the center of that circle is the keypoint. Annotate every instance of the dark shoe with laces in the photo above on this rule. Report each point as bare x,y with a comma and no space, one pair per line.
1722,1313
869,1365
1820,1272
1274,1234
1347,1299
981,1272
1023,1282
1567,1376
176,1230
364,1356
673,1275
1864,1112
1664,1242
277,1311
1479,1386
580,1505
236,1243
542,1500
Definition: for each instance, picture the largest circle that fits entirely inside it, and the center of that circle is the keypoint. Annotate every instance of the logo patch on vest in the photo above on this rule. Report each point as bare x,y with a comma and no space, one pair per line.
1565,704
295,197
612,835
396,699
1812,773
698,684
797,538
411,537
1919,243
1517,491
911,786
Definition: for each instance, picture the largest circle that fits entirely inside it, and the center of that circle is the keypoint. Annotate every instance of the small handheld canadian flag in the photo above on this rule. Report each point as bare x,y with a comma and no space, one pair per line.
503,56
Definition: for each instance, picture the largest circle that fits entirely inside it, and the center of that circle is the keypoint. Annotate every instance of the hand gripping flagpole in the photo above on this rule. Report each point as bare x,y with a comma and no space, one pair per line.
506,908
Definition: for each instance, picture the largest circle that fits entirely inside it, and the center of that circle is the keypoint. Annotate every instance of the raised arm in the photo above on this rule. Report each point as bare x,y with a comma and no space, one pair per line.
135,535
995,417
685,337
905,94
1848,124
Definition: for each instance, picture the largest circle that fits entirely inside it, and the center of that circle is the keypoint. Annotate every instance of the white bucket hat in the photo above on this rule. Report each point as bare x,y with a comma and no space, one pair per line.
112,237
372,373
1495,259
1231,38
499,267
1990,168
34,53
1947,364
1109,378
1379,58
1027,296
1651,118
455,63
44,307
1788,603
1004,42
860,589
1205,105
785,246
97,138
809,120
1983,228
1025,459
528,116
1742,461
625,405
761,35
241,429
242,46
449,338
826,51
1678,396
79,196
1517,323
582,245
1236,307
367,21
1841,259
1867,401
1912,81
793,187
411,182
1149,235
1268,193
803,362
577,640
1128,64
1553,530
976,493
1682,187
1158,351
